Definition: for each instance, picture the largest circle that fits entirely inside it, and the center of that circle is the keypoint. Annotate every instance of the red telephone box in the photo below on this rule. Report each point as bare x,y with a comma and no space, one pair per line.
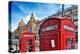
27,42
57,34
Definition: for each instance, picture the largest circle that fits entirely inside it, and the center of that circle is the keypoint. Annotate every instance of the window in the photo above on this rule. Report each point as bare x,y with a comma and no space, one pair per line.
75,16
52,43
76,23
68,28
50,28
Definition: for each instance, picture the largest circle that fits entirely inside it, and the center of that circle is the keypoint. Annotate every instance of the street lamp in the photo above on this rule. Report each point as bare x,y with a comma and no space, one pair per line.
62,10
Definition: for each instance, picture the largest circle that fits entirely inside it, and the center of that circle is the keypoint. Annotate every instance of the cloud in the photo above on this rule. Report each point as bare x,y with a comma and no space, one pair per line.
26,19
13,27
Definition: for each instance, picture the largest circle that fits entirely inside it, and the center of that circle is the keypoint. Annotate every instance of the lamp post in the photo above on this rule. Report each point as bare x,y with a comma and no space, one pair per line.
17,41
62,10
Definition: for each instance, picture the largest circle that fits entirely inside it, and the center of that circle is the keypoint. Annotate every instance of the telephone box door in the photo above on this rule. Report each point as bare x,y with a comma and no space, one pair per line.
27,42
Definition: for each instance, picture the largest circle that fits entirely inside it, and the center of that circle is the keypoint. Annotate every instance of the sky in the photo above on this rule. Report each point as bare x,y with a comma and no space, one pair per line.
22,10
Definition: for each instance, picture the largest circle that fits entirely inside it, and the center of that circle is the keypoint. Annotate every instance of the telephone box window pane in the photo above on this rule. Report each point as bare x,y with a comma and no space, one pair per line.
52,43
29,45
69,43
68,28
